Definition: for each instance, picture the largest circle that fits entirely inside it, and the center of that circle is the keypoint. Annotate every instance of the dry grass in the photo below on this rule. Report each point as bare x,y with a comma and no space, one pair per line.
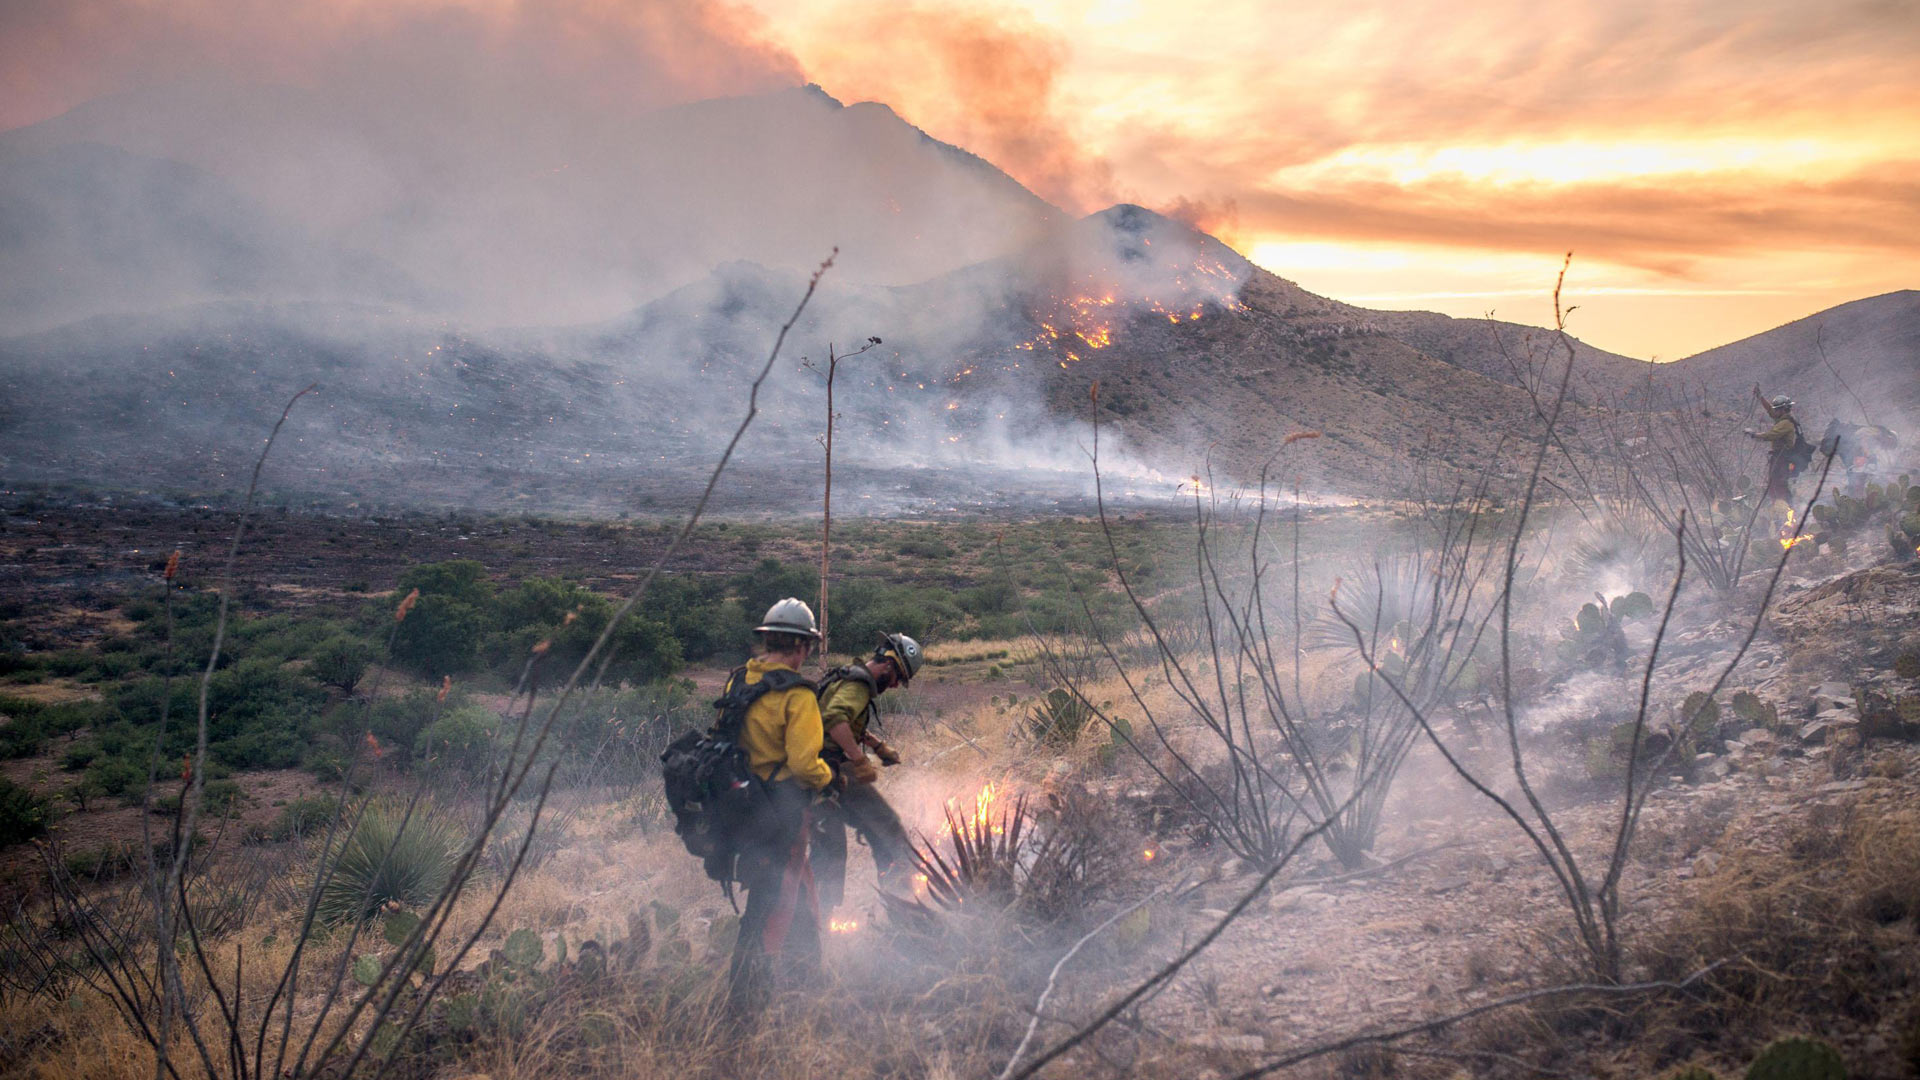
1822,926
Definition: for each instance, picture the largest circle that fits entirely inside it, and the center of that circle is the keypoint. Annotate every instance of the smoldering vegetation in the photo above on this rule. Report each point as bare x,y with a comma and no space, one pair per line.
1219,793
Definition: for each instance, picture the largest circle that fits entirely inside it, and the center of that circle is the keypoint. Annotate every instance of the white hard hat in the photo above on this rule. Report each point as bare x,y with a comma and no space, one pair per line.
790,616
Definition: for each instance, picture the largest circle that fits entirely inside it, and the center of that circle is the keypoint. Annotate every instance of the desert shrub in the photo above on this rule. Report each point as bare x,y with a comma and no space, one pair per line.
1803,925
460,738
340,661
927,548
772,581
864,610
23,814
307,814
257,711
31,724
221,798
68,663
116,776
390,857
443,632
398,721
643,648
699,614
993,598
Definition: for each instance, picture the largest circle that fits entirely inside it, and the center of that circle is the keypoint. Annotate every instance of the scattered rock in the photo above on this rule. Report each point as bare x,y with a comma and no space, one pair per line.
1447,884
1838,786
1705,864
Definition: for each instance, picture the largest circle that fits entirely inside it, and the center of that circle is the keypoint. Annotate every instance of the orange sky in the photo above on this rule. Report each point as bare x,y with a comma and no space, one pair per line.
1717,167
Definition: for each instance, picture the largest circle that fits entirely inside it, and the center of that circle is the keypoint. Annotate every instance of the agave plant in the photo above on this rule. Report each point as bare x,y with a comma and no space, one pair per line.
393,855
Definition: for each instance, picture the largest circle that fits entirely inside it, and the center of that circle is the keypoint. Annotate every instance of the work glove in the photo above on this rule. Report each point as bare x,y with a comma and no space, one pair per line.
887,754
863,771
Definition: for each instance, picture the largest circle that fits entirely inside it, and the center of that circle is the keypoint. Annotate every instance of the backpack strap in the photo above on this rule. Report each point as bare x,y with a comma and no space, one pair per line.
853,673
740,695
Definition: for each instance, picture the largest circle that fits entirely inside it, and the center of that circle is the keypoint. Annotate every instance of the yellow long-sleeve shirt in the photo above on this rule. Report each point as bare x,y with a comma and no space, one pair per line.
1780,436
847,704
782,732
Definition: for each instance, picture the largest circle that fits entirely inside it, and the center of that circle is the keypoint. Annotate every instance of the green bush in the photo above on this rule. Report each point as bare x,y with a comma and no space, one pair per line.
398,721
772,581
390,858
23,814
258,713
462,739
699,614
443,632
307,814
340,661
30,724
117,776
537,610
865,610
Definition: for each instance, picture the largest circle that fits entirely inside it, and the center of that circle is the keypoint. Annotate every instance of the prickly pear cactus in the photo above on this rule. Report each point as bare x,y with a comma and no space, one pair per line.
1908,707
1701,714
1907,665
1692,1072
1798,1058
1753,712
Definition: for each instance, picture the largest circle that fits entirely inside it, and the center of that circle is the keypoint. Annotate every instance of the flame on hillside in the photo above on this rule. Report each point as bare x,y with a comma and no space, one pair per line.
1787,539
980,812
1094,311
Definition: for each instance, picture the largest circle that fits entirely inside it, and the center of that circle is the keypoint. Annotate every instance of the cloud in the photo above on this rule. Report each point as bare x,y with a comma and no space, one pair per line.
56,54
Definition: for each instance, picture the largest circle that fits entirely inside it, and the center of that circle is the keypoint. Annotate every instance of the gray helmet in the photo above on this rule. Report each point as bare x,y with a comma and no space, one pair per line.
1783,402
903,651
790,616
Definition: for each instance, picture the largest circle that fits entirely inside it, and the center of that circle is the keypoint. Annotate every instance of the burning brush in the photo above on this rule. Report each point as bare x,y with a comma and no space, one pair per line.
985,843
997,857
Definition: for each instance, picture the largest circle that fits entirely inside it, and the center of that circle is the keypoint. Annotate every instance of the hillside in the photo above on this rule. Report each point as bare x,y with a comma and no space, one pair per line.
1860,359
213,191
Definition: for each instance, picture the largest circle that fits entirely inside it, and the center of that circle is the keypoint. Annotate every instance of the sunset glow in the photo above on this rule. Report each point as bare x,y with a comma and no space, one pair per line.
1717,168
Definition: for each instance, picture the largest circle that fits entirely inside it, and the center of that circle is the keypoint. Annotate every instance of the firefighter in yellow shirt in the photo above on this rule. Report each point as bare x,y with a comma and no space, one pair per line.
781,734
847,709
1781,439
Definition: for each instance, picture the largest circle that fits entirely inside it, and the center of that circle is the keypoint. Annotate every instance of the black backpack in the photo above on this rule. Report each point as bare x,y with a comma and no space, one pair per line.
1800,454
710,789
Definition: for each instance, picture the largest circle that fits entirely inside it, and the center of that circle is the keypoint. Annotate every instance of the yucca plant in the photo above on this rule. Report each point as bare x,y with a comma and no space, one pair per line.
393,855
982,876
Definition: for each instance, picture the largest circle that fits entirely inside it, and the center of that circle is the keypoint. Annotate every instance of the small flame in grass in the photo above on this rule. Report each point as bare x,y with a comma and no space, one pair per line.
1148,855
173,564
374,747
842,926
446,687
